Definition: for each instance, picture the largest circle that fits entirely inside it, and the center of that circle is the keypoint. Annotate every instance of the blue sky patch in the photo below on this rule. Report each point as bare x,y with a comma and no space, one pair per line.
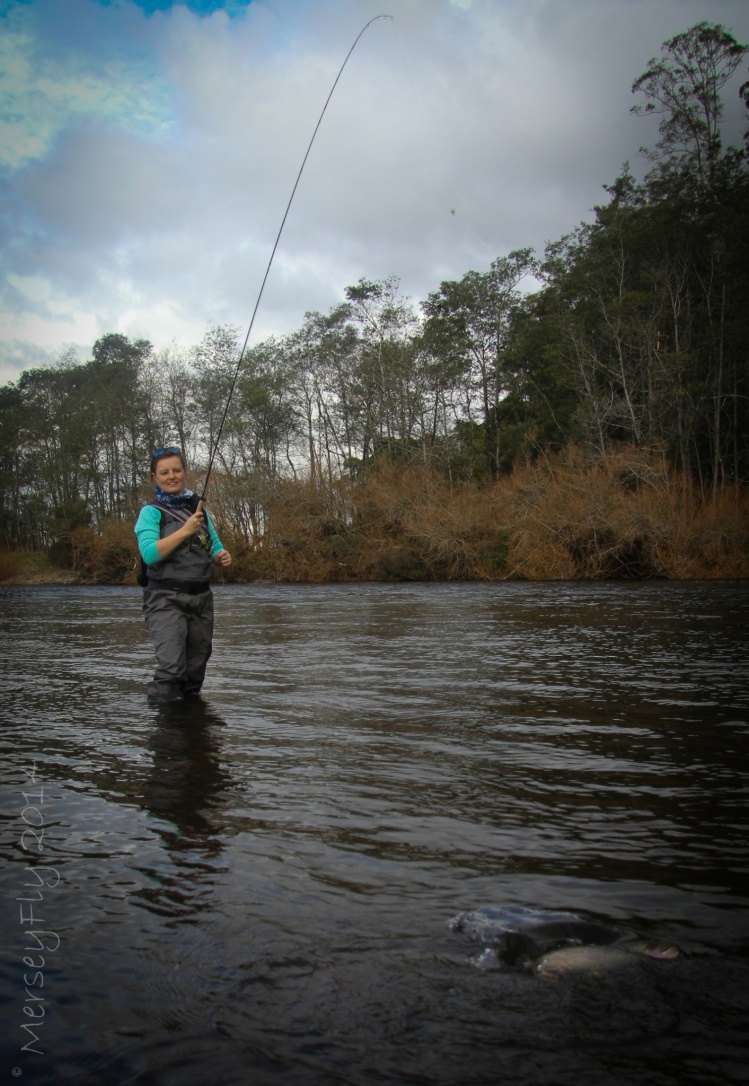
200,7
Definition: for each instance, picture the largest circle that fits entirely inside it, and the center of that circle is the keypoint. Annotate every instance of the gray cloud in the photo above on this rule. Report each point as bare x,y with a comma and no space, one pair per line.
456,134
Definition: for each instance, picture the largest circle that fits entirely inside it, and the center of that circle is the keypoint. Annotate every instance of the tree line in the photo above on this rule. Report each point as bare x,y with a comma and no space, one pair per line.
633,334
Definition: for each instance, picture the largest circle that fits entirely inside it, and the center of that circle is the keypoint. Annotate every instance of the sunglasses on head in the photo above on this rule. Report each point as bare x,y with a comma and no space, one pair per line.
167,449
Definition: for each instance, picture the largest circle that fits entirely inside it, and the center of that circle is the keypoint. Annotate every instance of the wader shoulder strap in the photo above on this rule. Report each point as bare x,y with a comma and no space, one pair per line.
183,515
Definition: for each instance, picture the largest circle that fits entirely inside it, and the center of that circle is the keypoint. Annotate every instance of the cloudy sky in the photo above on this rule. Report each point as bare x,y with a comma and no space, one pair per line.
148,150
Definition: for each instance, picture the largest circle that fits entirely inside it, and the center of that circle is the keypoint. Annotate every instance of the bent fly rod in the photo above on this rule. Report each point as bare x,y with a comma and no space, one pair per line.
273,253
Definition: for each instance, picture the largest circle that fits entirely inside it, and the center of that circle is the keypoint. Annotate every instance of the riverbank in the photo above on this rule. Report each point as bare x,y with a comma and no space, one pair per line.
26,569
626,516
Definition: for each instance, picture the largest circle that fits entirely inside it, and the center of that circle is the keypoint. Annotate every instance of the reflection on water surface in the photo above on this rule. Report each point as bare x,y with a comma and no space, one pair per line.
259,887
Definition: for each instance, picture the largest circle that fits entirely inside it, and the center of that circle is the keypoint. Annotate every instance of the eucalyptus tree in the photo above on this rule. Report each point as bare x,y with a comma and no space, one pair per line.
262,424
57,425
169,386
652,322
250,435
256,445
50,435
707,257
214,360
17,528
338,363
324,355
683,87
47,424
719,287
113,393
617,269
620,288
541,408
388,381
650,297
473,319
452,427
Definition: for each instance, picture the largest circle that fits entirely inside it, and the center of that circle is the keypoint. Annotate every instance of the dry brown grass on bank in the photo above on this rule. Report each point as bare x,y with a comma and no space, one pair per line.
623,516
413,516
20,568
571,516
106,557
10,565
713,541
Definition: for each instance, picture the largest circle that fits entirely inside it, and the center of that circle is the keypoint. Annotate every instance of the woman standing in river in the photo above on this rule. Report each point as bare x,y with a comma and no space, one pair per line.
178,544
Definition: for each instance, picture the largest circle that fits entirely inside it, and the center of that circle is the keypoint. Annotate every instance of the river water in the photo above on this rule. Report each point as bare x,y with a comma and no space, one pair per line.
266,886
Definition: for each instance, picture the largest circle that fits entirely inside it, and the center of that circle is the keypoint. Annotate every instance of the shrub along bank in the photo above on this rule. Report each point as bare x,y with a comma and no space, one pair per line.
567,516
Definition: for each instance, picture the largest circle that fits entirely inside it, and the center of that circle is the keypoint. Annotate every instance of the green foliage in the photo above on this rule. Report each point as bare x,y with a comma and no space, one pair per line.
470,329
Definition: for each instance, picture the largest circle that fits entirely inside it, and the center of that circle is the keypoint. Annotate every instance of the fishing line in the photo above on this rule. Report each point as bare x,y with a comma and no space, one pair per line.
273,252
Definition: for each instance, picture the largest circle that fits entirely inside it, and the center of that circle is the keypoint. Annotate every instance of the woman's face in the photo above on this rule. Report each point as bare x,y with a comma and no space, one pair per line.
170,475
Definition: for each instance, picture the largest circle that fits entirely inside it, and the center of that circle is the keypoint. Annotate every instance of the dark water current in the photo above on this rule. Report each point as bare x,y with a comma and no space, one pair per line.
258,888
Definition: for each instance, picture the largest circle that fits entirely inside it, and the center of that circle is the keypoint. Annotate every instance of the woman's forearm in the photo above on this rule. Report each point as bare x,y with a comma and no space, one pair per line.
169,543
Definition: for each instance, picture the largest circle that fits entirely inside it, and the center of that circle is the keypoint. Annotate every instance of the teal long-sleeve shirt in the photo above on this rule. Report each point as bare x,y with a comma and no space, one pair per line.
148,531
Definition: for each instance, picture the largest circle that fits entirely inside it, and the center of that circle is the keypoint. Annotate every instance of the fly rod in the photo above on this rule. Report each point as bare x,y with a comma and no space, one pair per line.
273,253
